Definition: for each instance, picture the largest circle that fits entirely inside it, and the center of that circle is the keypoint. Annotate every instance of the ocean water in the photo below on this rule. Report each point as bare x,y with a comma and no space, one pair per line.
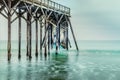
96,60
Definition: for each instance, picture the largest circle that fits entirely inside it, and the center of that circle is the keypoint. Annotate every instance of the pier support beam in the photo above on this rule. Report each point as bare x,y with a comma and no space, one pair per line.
36,22
29,36
45,42
66,25
56,42
59,35
9,30
72,33
51,29
27,54
49,40
19,33
59,19
40,35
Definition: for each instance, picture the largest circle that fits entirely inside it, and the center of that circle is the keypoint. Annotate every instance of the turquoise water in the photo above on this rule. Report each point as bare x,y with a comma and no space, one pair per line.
97,60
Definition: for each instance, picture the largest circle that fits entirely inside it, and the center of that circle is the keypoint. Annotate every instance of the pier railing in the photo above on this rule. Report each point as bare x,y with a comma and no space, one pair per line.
51,5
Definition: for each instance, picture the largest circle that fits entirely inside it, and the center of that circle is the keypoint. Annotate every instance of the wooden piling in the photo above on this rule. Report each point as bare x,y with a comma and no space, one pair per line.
9,30
49,40
56,48
45,45
59,35
36,22
66,35
51,29
27,54
57,44
19,33
73,34
30,37
40,34
57,40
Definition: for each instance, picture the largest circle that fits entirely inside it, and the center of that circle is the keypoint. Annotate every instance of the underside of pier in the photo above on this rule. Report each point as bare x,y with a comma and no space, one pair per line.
53,17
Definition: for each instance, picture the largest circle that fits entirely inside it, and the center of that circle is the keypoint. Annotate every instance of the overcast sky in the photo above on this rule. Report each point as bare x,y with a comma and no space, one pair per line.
91,20
95,19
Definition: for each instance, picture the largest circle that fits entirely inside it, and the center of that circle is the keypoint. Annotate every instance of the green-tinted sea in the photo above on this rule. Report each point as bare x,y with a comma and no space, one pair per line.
96,60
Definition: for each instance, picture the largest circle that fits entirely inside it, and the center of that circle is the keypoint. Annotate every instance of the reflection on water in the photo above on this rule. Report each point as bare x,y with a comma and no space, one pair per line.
52,67
96,65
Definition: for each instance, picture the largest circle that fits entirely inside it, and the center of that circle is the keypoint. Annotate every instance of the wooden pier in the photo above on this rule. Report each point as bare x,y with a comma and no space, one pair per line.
48,14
